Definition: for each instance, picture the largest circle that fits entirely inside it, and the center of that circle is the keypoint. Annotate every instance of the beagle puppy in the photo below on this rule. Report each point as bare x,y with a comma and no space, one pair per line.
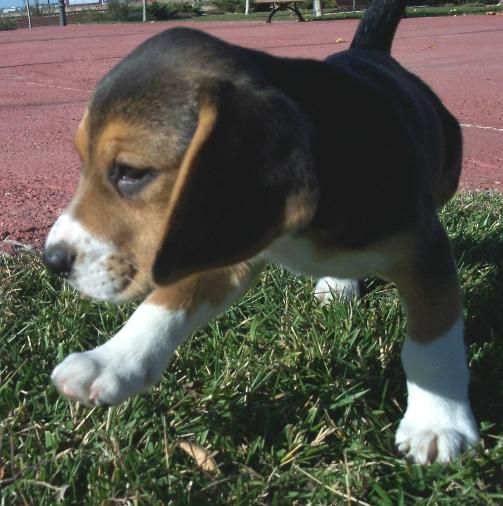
202,160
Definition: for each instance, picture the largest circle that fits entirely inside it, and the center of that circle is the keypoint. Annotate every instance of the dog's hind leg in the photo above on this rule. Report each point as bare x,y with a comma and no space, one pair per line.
328,289
135,358
438,423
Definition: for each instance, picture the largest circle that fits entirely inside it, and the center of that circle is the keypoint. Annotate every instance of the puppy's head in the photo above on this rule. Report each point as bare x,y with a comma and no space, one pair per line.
189,162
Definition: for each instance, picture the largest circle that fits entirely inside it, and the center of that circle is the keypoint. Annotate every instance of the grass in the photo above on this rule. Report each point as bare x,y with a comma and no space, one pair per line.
7,24
452,10
423,11
296,403
334,14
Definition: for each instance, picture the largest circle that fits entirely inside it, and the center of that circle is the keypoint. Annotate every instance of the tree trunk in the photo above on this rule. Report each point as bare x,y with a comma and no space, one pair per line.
318,11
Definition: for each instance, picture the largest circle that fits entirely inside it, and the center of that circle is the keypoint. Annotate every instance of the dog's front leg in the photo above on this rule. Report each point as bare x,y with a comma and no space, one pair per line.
438,424
135,358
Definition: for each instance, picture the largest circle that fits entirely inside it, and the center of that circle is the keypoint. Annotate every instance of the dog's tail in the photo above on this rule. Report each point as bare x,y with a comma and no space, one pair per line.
378,25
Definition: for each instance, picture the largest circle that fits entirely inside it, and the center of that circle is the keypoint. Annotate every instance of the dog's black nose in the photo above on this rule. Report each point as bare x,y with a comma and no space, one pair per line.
59,259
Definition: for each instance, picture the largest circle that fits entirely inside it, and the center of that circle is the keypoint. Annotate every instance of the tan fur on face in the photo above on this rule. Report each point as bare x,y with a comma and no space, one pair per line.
133,144
134,227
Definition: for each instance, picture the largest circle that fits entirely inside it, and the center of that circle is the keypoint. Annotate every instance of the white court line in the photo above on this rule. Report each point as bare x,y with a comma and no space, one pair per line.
494,129
44,85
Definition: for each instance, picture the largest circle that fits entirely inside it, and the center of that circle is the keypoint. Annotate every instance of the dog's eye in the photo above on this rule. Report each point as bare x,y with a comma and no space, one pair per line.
128,180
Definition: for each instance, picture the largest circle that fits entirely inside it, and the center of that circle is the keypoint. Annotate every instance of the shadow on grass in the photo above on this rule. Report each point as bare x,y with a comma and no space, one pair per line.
482,264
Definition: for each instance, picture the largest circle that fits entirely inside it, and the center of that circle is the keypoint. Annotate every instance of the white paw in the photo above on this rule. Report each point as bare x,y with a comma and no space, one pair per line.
438,424
98,378
330,289
423,444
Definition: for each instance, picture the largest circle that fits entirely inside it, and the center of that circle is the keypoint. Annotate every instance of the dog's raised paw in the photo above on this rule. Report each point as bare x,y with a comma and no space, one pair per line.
94,378
427,446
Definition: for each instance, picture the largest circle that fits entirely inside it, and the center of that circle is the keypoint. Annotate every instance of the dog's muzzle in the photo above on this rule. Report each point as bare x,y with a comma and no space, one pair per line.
91,265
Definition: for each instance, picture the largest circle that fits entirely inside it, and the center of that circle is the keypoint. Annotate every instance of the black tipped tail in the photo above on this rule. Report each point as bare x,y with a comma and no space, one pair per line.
378,25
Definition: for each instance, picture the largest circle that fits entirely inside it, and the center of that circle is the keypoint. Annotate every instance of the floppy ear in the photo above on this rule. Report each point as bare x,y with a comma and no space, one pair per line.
246,178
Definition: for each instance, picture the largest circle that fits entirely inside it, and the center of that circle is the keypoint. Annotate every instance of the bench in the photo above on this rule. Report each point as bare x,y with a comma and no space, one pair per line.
276,5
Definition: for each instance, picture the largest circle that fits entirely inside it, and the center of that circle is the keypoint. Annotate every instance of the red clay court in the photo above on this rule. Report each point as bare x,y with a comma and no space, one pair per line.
47,74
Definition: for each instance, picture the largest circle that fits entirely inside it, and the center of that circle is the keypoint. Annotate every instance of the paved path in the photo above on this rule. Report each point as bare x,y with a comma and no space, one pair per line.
46,76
